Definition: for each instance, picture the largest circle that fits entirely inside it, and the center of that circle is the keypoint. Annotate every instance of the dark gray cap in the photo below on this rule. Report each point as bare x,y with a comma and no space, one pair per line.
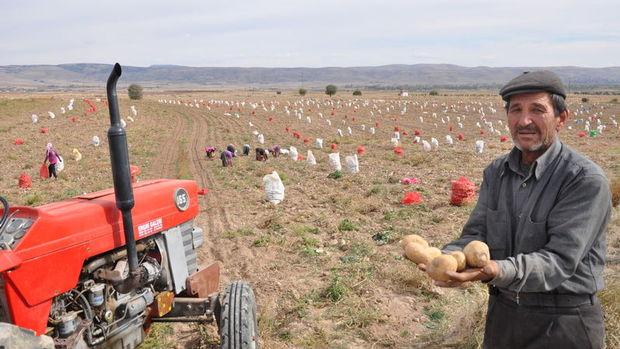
536,81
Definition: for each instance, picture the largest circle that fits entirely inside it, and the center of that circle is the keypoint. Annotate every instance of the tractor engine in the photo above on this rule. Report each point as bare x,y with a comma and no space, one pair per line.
102,307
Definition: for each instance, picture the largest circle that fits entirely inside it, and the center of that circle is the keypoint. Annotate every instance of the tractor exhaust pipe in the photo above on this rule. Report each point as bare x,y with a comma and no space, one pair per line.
119,155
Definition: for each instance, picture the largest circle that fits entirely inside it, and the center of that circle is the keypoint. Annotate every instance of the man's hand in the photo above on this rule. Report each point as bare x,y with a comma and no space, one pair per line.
459,279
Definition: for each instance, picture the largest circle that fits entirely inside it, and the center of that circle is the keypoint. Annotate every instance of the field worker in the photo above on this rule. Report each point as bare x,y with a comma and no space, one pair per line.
246,149
261,154
210,152
231,148
226,157
51,156
275,151
543,211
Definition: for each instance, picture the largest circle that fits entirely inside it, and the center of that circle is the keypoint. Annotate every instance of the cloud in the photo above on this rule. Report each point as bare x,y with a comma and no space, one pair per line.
323,33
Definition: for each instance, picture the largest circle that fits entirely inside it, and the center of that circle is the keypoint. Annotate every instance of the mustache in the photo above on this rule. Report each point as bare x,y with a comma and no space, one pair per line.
528,128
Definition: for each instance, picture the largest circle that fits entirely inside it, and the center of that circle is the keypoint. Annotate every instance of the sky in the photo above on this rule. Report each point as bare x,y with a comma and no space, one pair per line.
311,33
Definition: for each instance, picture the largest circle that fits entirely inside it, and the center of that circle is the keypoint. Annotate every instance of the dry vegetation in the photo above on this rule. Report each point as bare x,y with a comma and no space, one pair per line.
325,263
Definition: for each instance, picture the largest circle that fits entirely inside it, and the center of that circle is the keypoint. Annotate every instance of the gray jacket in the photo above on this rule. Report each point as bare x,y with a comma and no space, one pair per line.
545,227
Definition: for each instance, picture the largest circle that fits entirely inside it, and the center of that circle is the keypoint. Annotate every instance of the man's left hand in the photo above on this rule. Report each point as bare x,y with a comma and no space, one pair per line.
458,279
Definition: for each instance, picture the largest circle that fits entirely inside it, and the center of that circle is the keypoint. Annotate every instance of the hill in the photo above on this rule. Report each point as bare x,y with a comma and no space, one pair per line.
168,77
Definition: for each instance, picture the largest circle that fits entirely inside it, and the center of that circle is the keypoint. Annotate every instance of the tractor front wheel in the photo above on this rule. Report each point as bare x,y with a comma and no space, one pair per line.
237,318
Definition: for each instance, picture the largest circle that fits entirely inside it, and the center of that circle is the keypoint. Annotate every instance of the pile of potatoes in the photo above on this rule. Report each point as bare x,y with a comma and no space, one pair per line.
475,254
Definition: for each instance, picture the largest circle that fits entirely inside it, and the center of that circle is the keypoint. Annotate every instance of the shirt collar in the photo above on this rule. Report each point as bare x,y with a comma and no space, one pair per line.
546,159
513,159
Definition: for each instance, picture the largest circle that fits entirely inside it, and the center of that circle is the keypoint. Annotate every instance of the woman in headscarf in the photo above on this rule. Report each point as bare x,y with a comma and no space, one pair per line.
51,156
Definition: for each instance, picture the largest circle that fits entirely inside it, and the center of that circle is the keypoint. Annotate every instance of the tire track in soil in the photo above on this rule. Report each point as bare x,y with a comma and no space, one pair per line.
201,174
169,149
217,214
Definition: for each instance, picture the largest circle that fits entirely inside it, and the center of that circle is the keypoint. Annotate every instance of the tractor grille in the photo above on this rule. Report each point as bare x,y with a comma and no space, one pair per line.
190,242
4,309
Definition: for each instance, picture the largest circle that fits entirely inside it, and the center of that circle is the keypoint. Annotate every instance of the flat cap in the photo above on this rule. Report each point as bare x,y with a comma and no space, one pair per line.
536,81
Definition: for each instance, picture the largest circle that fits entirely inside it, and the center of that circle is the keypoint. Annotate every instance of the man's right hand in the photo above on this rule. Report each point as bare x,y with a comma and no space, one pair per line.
462,278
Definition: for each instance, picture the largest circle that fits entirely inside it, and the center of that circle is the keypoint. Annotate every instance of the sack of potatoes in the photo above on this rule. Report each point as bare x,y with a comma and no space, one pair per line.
416,248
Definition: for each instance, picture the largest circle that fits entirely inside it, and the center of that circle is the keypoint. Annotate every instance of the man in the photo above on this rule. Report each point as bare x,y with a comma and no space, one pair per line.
542,210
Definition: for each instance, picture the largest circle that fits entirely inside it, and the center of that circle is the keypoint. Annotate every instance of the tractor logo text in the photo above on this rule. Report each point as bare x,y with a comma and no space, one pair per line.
149,228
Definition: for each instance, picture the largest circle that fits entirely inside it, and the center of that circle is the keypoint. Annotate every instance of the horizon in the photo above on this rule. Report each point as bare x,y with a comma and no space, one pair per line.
284,34
319,67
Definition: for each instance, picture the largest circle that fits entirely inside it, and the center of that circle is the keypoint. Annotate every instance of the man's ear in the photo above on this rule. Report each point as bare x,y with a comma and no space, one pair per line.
563,118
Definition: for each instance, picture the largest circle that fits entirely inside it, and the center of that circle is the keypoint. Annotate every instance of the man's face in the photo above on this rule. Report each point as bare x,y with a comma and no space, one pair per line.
532,121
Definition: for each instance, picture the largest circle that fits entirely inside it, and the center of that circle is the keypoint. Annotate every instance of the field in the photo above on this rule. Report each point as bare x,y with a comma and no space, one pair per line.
325,263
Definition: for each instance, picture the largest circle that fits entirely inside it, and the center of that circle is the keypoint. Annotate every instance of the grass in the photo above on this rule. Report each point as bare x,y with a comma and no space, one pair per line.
346,225
336,290
262,241
32,199
335,175
244,231
160,337
610,299
615,191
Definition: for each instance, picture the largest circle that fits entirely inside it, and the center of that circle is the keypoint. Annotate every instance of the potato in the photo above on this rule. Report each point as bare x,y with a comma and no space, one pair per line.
460,259
413,238
477,254
421,254
433,252
440,265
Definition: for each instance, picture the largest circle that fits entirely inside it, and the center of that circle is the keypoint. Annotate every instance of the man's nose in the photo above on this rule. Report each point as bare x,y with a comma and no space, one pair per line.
524,120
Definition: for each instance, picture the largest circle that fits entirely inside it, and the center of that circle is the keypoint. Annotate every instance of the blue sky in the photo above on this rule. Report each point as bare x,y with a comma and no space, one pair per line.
311,33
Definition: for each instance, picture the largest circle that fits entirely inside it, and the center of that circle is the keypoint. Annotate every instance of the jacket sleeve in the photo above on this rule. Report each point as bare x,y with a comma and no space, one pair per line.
476,226
578,219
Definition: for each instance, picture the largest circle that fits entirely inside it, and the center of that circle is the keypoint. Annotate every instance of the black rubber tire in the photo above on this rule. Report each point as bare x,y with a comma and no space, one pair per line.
238,326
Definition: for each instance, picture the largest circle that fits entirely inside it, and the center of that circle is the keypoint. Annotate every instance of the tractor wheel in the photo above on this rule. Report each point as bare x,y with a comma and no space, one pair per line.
237,325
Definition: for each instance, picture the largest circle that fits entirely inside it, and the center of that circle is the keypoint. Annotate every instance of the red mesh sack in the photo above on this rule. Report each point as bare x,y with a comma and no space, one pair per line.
361,150
25,181
18,141
411,198
460,137
334,146
417,132
503,138
398,151
44,172
581,134
463,192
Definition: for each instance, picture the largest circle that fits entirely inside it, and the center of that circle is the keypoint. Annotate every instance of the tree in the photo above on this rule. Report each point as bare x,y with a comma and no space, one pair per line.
584,100
357,93
302,91
433,93
331,90
135,91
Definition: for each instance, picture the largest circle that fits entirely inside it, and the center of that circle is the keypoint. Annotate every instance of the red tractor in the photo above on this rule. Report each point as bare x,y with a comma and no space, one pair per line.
97,270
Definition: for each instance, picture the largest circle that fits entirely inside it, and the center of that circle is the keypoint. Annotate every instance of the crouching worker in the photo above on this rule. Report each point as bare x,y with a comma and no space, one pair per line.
246,149
543,211
210,152
226,157
275,151
261,154
232,150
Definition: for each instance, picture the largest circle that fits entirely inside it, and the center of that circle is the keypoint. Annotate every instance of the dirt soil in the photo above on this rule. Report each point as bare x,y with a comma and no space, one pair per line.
325,263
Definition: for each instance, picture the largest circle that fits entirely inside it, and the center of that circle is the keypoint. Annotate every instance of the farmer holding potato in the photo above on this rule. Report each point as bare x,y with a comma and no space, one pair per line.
543,210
